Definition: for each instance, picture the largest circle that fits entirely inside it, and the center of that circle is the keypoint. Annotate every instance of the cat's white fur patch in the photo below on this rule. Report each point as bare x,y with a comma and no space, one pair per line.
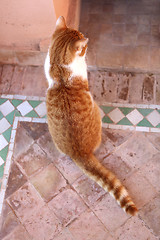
78,67
47,69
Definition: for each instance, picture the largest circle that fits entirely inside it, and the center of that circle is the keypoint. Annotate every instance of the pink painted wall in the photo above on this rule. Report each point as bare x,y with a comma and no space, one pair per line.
61,7
24,23
70,9
26,27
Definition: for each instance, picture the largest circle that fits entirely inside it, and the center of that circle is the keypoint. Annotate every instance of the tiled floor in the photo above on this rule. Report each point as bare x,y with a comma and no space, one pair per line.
123,34
17,108
44,194
46,191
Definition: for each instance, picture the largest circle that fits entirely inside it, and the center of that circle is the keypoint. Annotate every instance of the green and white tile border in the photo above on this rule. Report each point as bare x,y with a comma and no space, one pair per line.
14,109
17,108
137,117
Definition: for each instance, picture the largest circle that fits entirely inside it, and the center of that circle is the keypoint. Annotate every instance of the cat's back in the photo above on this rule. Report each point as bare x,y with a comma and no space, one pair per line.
69,103
73,117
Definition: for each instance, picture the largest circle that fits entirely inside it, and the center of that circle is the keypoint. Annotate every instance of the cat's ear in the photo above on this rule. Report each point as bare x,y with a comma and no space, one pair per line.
80,44
60,24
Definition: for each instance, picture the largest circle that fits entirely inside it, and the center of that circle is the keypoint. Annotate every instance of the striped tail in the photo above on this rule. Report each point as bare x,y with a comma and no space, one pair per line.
107,180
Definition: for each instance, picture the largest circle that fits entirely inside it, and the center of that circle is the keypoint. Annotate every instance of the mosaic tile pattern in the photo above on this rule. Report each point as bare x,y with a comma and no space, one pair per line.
134,117
15,108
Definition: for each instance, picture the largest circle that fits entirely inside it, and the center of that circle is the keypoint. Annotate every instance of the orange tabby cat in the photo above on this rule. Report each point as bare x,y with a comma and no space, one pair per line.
73,117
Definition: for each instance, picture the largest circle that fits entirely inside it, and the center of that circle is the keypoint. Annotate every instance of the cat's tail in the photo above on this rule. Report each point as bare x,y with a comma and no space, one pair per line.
107,180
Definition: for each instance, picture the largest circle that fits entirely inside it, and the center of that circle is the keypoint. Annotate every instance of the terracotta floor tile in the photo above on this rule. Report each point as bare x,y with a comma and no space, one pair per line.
96,8
151,171
46,143
151,215
96,88
110,140
23,141
82,228
35,130
155,40
48,182
33,160
155,58
139,189
154,138
155,19
15,181
144,19
135,8
105,29
1,68
25,201
131,19
143,39
16,81
117,166
24,57
117,38
109,87
91,58
134,229
120,8
68,168
108,7
144,28
118,18
112,57
30,86
89,191
123,87
118,28
136,82
158,89
64,235
6,76
67,206
148,88
8,221
18,234
105,210
136,151
42,224
155,29
136,57
129,39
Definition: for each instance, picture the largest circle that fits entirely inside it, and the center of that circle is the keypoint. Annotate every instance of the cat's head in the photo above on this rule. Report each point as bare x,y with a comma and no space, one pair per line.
66,44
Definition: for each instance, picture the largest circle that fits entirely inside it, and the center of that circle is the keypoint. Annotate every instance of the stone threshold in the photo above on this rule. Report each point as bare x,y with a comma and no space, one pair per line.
37,58
122,69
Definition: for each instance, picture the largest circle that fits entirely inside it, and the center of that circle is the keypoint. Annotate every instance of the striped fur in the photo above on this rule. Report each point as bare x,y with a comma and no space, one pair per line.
73,117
